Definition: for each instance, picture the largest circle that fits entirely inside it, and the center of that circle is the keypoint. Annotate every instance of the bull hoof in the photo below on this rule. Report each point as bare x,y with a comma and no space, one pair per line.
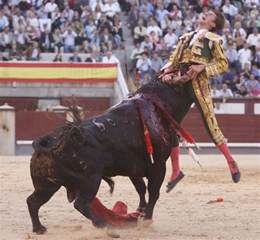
40,230
99,223
141,209
144,222
236,177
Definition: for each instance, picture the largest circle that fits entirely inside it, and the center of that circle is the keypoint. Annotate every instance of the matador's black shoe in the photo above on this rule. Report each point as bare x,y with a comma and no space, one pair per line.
236,175
174,182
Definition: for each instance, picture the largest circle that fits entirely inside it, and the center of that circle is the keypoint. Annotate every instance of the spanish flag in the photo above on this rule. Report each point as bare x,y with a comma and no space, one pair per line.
57,72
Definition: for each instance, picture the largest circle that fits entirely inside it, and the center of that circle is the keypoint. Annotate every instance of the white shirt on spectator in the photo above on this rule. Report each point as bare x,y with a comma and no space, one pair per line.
230,9
69,38
6,38
216,3
111,9
241,31
225,93
145,44
21,37
254,40
94,3
215,93
34,22
50,7
43,22
3,22
170,40
112,59
155,29
232,54
244,56
143,64
249,3
136,53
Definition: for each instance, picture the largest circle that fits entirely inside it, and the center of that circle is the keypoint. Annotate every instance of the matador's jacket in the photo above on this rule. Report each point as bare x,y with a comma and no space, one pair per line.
204,48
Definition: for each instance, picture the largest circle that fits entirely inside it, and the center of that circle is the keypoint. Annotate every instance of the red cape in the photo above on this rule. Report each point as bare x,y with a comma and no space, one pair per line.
118,216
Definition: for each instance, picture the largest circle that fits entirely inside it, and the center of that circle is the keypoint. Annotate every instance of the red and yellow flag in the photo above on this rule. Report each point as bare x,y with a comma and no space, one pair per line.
58,72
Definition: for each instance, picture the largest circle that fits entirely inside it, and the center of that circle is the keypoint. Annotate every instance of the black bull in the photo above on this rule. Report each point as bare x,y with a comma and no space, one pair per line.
77,156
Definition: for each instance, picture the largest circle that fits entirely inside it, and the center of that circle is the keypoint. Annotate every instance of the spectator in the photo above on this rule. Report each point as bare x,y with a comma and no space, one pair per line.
6,40
225,92
170,39
239,31
3,21
215,93
242,91
111,8
153,27
69,40
147,44
156,64
44,22
140,32
254,39
46,41
110,58
229,10
136,53
50,8
161,12
245,55
143,65
58,41
33,52
232,56
106,38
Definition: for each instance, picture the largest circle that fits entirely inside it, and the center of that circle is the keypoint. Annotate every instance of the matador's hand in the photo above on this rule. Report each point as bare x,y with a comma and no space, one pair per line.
195,70
164,72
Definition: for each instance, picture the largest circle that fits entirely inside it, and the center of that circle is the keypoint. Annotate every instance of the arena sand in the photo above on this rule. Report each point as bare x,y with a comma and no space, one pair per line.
181,214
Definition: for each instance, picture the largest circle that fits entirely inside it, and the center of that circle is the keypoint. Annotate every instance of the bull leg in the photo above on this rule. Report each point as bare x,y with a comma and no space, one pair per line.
42,193
155,181
140,187
84,198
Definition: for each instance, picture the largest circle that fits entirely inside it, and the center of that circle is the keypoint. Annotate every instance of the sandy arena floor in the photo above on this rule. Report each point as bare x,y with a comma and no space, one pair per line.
181,214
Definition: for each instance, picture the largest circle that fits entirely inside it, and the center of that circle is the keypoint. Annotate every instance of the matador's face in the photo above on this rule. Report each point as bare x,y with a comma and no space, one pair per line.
207,19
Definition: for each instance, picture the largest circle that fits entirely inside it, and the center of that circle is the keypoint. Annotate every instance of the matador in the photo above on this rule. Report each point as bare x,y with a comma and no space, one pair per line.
197,57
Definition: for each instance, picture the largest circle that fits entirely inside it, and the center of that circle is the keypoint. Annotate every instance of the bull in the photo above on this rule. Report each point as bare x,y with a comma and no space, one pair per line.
79,155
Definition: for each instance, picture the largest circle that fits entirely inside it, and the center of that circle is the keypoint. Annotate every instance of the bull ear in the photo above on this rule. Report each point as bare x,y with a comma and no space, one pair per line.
76,135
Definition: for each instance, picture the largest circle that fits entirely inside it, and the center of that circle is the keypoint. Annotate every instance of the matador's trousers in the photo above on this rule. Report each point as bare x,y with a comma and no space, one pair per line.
199,90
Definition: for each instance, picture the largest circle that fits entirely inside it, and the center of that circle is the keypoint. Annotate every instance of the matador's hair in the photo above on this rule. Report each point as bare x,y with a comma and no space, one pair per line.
219,21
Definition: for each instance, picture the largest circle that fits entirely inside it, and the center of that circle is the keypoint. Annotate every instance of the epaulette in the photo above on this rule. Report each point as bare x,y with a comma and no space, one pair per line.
213,37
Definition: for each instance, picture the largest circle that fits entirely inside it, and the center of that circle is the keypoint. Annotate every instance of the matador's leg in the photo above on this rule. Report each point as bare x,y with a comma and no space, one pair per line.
201,94
177,174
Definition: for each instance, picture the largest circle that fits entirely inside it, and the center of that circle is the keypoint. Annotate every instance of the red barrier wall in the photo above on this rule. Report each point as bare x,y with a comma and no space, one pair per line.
20,103
30,124
236,128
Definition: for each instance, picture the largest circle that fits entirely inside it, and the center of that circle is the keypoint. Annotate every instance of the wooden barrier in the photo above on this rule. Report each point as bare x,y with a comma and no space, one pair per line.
239,128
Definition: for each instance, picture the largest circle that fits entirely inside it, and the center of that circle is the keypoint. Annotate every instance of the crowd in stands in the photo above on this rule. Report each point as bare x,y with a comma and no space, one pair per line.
31,27
157,25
